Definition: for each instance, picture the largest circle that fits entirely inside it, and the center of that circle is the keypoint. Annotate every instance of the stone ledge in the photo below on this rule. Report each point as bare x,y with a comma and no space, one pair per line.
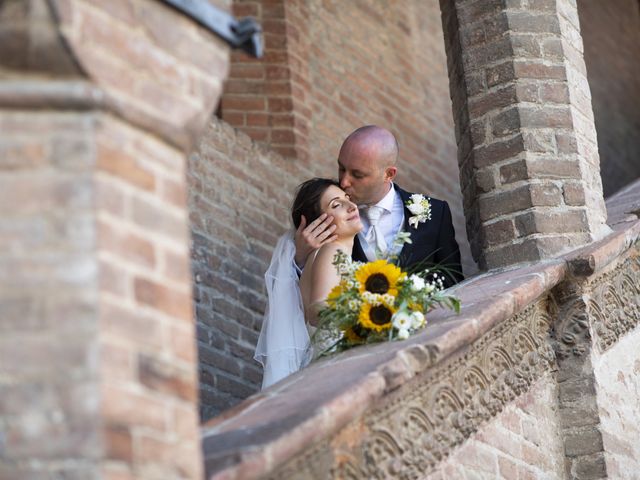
282,422
261,433
623,210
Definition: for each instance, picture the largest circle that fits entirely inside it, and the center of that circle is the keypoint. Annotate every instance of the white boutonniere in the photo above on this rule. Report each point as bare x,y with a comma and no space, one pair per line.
420,207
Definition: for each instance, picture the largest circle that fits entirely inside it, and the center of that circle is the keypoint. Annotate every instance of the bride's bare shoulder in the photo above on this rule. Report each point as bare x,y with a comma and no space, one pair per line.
327,252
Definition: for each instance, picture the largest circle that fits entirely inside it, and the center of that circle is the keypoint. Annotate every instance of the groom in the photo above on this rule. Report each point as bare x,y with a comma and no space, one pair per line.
366,169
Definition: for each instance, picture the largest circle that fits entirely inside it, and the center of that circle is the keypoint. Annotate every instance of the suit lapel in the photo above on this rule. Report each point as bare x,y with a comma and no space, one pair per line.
407,248
358,253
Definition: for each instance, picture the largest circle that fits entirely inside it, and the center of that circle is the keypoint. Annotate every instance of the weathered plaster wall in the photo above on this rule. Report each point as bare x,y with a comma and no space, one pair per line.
617,375
523,441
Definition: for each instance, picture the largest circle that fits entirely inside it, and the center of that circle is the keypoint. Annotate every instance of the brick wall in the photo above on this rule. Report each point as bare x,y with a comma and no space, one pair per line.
332,66
148,381
611,34
617,385
48,346
97,339
239,200
523,441
384,63
97,342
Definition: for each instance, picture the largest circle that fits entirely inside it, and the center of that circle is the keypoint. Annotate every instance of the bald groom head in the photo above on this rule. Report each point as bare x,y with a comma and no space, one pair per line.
367,164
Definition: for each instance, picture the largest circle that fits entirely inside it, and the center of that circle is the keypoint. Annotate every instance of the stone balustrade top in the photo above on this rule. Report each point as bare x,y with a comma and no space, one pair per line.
271,427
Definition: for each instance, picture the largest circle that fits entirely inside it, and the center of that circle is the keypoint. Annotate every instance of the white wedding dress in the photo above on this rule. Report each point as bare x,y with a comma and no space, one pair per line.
284,345
287,343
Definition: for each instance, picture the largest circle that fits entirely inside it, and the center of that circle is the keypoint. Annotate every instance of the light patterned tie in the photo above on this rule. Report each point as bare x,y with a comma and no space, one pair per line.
375,235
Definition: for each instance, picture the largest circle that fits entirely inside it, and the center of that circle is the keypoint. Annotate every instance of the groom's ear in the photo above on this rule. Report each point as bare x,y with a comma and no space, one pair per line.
390,173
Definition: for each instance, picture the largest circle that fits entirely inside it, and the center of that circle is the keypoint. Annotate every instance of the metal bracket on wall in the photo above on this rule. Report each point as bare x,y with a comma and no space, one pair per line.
243,34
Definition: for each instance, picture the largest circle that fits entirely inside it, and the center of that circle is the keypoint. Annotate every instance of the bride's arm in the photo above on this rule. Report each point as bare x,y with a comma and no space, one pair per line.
323,278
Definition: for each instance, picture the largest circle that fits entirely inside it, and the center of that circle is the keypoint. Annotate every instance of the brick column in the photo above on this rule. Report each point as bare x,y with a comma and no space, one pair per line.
267,98
527,147
99,101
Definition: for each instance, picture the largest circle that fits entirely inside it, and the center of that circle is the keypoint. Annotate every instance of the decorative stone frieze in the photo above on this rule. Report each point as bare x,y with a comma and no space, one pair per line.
571,331
424,420
608,302
614,304
594,313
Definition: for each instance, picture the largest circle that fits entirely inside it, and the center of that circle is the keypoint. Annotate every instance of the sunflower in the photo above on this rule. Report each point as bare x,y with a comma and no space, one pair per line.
352,336
379,277
376,317
335,293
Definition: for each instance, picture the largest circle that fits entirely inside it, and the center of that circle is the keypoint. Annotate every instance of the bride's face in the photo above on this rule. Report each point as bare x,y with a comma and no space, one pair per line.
345,213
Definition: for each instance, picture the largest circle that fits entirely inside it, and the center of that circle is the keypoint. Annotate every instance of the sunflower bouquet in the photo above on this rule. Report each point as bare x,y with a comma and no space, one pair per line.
377,301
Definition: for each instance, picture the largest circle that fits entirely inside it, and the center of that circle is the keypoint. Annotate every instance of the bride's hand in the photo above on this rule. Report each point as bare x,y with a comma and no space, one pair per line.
311,237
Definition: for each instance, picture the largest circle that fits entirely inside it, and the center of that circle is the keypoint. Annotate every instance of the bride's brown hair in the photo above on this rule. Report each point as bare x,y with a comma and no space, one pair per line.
307,201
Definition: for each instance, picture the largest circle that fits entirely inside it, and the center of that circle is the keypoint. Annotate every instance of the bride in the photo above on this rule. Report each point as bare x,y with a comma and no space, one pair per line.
293,304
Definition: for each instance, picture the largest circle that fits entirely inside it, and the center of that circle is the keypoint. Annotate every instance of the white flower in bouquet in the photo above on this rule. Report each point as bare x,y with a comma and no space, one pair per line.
403,334
388,298
401,320
354,305
417,319
417,282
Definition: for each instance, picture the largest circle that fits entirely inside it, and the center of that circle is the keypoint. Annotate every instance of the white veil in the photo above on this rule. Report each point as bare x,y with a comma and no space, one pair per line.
283,346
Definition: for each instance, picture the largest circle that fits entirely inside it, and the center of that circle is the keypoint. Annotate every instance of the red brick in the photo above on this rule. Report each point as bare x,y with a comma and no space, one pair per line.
506,123
126,245
500,232
243,103
122,407
573,194
118,443
498,151
22,155
165,378
242,71
497,100
546,118
131,326
173,192
183,343
163,298
554,93
551,222
257,119
534,22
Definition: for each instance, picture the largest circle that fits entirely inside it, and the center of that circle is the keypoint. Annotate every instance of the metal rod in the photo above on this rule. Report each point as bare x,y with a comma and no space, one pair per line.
243,34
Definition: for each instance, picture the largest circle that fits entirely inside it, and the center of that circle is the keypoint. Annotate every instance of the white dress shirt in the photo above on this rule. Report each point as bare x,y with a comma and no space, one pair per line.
390,223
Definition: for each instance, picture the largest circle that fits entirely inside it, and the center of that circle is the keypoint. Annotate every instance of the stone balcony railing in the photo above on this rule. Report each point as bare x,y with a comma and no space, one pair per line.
518,385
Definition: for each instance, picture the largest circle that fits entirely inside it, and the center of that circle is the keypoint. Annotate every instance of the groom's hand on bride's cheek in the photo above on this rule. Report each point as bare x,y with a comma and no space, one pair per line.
313,236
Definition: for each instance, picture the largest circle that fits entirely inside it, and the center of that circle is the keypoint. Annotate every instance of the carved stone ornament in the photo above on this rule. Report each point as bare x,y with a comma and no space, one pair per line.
605,306
614,303
570,335
419,424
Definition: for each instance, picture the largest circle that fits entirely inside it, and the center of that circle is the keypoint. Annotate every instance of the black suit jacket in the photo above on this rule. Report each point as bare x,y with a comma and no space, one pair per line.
433,242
